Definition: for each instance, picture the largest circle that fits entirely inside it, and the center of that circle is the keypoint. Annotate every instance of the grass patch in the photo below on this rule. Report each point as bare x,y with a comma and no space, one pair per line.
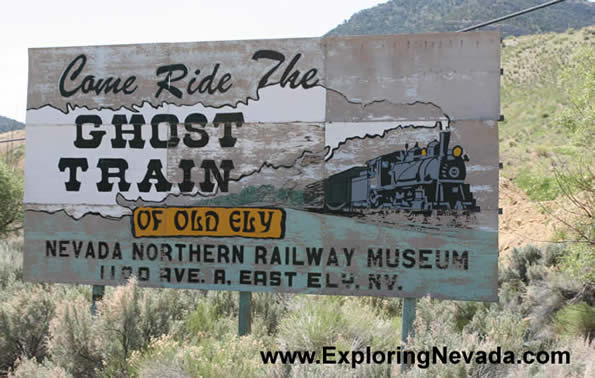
538,188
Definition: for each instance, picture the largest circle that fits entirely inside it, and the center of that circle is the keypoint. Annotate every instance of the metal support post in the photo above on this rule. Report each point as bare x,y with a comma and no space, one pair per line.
97,295
245,315
407,329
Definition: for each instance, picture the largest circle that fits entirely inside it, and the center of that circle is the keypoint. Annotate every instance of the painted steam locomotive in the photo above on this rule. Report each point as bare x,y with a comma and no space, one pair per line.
415,179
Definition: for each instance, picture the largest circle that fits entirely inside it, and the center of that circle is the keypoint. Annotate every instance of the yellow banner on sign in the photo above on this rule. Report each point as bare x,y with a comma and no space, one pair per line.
247,222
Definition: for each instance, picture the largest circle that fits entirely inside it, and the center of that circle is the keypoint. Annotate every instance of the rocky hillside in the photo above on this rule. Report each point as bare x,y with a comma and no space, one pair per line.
422,16
9,124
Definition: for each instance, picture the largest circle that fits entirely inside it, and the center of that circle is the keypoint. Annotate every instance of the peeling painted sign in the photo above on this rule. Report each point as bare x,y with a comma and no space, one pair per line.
341,165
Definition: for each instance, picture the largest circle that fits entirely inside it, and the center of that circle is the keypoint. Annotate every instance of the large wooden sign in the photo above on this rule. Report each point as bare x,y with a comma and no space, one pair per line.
349,165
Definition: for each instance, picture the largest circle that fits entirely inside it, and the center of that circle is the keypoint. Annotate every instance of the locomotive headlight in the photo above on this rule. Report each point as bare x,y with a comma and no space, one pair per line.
457,151
424,152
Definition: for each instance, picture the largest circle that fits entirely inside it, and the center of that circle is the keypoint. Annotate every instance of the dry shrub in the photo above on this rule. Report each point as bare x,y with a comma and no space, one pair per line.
11,263
345,323
24,320
30,368
582,363
75,342
129,317
227,357
490,327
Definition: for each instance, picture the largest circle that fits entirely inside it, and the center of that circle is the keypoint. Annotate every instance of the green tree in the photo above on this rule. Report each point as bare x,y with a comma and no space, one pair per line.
575,178
11,200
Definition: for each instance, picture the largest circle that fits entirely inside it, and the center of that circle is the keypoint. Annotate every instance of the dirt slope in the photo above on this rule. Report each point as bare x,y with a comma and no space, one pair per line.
522,221
12,153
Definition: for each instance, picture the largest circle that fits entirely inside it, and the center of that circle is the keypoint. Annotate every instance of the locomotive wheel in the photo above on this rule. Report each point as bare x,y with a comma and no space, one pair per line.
373,200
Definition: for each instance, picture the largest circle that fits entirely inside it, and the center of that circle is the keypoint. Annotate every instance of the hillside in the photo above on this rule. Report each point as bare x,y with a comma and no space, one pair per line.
422,16
537,86
8,124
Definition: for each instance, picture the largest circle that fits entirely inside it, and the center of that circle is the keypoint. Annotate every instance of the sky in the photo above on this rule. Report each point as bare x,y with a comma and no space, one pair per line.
28,24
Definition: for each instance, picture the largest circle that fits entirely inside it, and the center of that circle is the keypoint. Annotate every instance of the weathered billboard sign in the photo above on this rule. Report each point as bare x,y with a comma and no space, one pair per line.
341,165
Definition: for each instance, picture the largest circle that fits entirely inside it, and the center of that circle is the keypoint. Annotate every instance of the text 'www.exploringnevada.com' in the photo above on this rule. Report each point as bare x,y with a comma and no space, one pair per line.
423,359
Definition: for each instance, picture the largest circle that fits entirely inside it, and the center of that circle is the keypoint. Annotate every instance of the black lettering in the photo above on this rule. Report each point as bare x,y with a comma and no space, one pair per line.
173,140
50,248
180,223
374,281
90,251
222,182
165,275
137,121
211,221
395,262
77,248
81,60
275,279
375,260
72,185
260,254
62,245
408,258
139,220
223,254
248,222
96,136
208,253
191,119
314,255
423,259
245,277
275,256
193,275
167,80
332,258
105,165
143,274
291,77
314,279
260,277
154,172
102,250
224,79
460,261
439,263
90,83
165,252
187,184
268,54
290,276
266,222
228,119
138,250
152,252
206,84
117,254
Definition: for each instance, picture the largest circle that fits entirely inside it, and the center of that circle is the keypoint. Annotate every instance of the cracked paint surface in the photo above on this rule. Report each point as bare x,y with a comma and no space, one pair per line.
311,109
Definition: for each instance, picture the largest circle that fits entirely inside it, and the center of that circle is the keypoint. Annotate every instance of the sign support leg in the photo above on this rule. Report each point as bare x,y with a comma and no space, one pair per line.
245,315
97,295
407,329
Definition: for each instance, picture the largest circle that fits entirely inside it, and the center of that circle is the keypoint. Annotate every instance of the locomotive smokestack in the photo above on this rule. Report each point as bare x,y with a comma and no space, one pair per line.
444,140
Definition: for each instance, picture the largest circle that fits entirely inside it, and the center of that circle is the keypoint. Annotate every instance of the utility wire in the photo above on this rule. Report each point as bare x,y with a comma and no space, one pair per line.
11,140
510,16
470,28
